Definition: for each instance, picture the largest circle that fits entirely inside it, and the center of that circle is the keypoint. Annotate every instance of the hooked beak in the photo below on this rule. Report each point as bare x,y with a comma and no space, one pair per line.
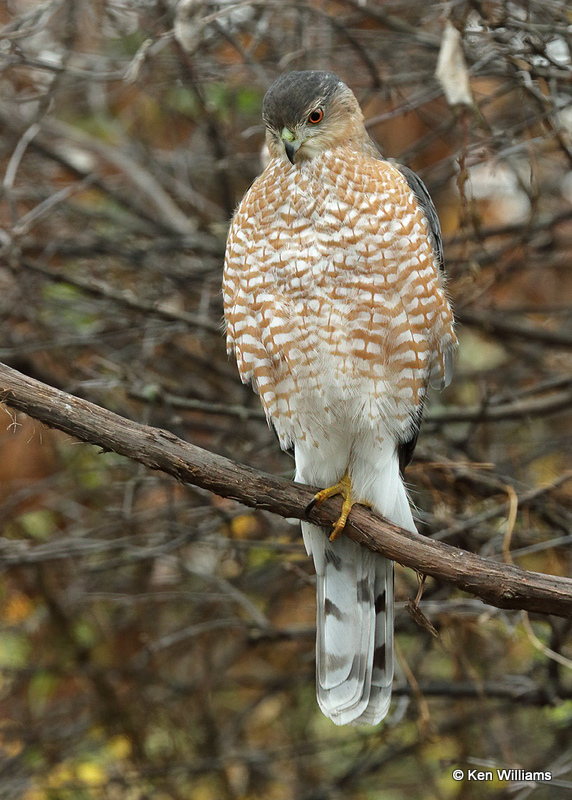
291,143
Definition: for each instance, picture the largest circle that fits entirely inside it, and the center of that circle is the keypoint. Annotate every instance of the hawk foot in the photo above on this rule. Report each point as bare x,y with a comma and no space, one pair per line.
343,487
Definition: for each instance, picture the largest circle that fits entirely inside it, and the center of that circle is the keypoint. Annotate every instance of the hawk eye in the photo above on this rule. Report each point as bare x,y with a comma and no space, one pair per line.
315,116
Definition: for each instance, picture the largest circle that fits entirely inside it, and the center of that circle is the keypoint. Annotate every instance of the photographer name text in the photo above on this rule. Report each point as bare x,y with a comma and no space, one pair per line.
501,775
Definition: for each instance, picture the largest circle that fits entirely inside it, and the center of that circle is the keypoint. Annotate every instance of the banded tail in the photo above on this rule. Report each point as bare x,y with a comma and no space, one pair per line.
354,620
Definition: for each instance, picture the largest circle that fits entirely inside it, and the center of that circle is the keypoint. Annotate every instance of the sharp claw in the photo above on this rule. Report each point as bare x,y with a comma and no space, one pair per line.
319,498
310,506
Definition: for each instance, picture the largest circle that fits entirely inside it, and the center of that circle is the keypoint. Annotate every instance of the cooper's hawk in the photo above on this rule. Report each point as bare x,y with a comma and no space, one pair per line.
336,311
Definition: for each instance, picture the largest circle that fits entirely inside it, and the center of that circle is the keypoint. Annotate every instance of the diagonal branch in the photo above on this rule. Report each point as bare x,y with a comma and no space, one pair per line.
502,585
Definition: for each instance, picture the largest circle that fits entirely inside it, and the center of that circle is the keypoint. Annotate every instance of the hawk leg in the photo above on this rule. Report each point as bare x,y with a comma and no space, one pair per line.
343,487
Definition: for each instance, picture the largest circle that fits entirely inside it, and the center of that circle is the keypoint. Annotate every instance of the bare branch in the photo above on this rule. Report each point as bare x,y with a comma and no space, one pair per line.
124,297
499,325
501,585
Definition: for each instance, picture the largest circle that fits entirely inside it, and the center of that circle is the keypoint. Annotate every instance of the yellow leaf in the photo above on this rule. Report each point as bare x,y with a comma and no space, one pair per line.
60,776
90,773
243,526
120,747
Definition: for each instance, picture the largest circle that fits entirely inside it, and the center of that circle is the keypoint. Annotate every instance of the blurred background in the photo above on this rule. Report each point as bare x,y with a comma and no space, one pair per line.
157,641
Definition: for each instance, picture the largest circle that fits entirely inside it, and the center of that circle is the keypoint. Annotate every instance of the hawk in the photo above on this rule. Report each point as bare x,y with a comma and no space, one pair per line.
336,310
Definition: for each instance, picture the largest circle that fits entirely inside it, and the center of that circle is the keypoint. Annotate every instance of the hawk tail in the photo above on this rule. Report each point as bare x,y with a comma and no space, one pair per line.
354,642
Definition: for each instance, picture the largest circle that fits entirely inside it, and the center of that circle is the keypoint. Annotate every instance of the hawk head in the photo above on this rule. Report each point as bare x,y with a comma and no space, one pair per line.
308,112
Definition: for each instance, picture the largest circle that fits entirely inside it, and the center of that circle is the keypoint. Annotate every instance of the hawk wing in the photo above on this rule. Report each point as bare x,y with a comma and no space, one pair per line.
442,369
424,199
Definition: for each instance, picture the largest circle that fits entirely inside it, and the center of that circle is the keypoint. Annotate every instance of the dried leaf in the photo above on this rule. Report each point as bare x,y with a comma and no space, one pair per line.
452,72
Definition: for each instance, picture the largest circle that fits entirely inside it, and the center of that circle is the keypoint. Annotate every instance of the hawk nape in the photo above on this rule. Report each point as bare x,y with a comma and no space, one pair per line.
336,311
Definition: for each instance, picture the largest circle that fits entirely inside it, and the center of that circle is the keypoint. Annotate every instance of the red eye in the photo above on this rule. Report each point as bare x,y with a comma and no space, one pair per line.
315,116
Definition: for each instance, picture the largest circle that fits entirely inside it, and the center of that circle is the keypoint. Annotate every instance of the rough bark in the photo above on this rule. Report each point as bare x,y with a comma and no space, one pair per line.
499,584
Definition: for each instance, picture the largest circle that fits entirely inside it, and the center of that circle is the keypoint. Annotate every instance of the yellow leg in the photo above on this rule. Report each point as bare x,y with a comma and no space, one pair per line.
343,487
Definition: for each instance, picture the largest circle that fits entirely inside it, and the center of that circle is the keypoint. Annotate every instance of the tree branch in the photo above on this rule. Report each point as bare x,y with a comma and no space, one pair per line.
501,585
500,326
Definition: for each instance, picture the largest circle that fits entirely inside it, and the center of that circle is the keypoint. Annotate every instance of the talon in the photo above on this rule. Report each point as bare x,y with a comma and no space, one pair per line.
342,519
343,487
310,506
